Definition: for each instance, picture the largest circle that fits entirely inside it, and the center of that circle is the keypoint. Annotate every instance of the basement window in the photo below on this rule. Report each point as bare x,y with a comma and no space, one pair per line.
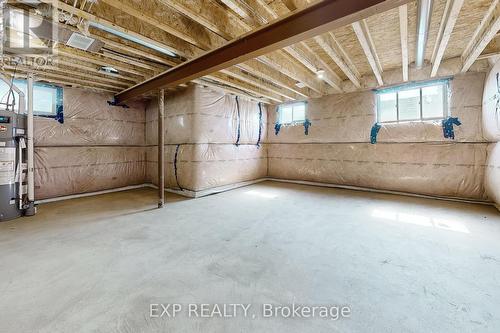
293,113
413,102
48,99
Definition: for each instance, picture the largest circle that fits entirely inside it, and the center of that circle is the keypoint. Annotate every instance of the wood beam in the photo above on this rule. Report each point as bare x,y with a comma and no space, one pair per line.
99,60
94,69
65,77
230,27
450,15
486,31
480,28
403,31
229,90
299,52
338,59
272,75
254,90
185,35
330,76
309,22
209,21
67,81
184,50
240,75
362,32
130,61
244,13
123,47
142,17
96,76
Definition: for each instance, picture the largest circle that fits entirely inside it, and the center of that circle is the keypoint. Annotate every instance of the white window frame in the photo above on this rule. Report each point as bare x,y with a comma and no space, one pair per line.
445,87
293,122
22,83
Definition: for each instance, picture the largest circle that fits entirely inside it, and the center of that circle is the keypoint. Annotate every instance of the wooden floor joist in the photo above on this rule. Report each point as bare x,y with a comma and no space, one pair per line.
316,19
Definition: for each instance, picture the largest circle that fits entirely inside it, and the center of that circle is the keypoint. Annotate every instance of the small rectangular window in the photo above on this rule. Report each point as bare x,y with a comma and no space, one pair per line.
294,113
48,99
417,102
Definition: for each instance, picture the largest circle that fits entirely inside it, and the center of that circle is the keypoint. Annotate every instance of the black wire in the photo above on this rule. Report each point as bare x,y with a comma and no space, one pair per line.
11,91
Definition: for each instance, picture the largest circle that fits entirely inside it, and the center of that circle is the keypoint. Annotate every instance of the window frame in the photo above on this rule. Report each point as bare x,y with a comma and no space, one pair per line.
58,102
446,112
293,122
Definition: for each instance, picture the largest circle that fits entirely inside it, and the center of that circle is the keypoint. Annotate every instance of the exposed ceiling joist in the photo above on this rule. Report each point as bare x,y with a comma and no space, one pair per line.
261,14
329,75
228,89
316,19
255,90
237,73
184,50
64,76
363,33
277,60
85,66
133,62
450,15
219,28
66,81
485,32
142,17
134,11
403,30
268,73
99,60
123,47
334,53
303,53
231,28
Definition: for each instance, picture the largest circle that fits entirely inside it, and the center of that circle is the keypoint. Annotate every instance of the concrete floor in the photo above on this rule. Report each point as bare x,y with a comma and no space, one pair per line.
402,264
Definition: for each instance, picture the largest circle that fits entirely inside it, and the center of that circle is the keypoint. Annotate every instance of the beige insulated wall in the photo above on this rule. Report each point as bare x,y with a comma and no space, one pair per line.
98,147
491,127
411,157
202,150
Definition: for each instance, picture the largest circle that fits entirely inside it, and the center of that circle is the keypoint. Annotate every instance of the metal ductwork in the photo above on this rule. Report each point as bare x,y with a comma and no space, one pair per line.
423,22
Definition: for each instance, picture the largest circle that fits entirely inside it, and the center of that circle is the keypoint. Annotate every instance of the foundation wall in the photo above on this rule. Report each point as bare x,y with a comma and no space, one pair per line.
97,147
211,140
491,128
410,157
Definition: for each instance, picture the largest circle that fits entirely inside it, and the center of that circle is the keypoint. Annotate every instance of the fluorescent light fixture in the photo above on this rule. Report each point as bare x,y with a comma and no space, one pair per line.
132,39
108,69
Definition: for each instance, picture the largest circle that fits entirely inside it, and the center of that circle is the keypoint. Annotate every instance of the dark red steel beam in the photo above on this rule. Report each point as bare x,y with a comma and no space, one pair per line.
316,19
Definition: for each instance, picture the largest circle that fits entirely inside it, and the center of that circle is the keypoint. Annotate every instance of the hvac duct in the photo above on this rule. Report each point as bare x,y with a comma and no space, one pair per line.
423,21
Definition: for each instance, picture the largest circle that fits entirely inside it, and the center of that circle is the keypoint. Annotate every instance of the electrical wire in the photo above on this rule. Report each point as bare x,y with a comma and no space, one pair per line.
11,92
